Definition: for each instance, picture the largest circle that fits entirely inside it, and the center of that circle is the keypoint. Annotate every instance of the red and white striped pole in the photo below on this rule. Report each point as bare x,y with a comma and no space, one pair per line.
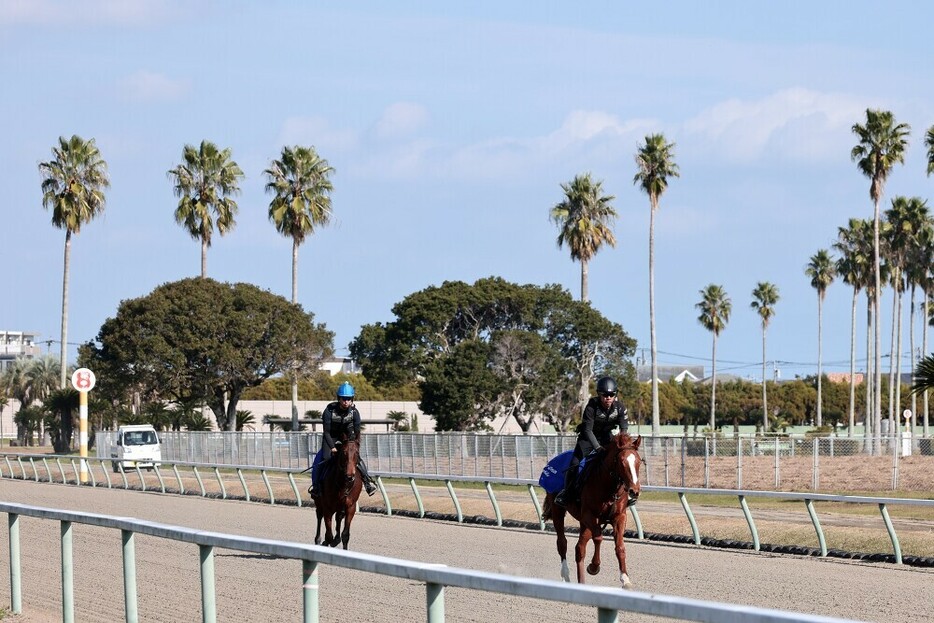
83,380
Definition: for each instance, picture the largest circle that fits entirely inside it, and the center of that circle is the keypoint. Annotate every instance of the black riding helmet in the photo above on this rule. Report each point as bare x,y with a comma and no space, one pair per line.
606,385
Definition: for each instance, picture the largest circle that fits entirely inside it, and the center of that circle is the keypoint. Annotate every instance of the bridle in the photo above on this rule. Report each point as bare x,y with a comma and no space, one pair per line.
622,481
345,456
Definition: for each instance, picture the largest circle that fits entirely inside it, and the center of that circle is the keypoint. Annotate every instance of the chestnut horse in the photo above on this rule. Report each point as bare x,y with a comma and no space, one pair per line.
611,483
340,487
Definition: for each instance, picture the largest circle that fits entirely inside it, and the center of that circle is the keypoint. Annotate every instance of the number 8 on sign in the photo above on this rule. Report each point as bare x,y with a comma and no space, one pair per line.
83,380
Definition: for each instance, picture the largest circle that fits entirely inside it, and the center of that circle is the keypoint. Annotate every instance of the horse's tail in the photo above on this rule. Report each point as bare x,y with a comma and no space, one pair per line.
546,509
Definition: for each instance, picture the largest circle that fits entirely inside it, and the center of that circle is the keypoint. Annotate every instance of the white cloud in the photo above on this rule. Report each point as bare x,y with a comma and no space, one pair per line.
69,13
317,131
795,123
590,137
400,120
147,86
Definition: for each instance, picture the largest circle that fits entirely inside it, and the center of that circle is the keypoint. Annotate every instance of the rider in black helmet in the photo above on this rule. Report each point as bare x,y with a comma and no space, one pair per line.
602,414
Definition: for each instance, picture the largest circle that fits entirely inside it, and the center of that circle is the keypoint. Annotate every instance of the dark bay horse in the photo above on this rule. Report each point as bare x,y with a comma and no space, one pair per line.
340,487
612,481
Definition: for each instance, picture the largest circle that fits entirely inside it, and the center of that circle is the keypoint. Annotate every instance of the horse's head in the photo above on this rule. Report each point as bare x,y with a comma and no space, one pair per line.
626,462
348,452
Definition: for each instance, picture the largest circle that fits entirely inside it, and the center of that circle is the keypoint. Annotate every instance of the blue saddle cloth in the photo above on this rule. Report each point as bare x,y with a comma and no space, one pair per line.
552,478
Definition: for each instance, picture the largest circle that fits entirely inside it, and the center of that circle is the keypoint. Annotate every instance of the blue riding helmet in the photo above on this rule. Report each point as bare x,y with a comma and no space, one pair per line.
345,390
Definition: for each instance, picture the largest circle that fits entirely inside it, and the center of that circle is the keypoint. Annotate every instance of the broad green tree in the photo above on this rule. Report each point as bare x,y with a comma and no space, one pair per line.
537,344
821,270
655,163
764,298
585,219
205,183
715,308
73,185
882,144
198,341
301,185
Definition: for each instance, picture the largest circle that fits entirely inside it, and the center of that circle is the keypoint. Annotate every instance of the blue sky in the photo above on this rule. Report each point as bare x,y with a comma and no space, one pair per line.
451,127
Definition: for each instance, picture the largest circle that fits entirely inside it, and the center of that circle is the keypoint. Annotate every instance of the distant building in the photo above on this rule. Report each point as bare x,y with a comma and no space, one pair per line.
666,373
337,365
16,344
844,377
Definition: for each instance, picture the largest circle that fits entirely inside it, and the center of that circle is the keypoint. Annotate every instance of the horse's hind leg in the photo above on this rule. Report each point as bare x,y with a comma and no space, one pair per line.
557,517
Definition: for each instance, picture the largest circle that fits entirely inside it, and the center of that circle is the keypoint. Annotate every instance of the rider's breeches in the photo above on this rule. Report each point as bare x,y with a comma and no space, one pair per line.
316,466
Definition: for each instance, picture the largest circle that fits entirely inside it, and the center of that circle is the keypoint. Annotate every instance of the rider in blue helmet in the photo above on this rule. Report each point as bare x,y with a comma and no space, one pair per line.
339,417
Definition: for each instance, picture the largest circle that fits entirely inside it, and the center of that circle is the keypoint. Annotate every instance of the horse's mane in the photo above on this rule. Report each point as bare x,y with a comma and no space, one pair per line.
625,441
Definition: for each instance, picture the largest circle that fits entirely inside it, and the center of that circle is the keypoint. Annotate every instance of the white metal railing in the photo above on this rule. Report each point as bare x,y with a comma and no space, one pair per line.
762,463
608,602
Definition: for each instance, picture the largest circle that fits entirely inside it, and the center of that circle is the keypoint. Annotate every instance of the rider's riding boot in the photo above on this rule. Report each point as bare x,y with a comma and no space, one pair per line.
567,494
367,480
314,490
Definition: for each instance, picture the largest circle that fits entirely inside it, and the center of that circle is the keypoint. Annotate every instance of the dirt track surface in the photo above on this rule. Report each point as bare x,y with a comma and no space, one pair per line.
256,588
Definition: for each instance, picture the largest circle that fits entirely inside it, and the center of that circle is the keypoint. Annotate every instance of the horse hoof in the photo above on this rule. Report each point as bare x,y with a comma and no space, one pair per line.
627,583
593,569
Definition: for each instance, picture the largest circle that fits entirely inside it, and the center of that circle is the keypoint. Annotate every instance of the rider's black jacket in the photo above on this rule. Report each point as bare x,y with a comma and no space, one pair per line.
596,427
336,421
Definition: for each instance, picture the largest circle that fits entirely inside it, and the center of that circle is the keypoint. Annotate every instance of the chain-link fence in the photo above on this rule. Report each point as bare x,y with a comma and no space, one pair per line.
788,463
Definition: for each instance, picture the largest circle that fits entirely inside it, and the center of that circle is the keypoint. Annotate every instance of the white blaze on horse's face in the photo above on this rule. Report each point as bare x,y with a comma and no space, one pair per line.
631,461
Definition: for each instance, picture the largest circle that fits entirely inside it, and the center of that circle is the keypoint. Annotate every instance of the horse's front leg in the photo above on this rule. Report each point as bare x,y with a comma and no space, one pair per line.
345,534
619,531
335,539
594,567
318,532
580,551
328,530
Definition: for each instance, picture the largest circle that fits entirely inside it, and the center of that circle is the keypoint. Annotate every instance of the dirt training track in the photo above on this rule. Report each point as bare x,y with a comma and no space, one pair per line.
258,588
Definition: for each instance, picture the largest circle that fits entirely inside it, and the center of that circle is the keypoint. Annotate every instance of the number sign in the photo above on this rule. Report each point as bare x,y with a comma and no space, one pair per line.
83,380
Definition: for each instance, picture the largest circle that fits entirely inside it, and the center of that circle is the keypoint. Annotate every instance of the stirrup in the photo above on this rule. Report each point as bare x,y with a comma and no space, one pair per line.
370,488
561,498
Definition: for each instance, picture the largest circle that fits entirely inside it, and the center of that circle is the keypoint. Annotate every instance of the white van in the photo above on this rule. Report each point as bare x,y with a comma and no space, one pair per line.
136,446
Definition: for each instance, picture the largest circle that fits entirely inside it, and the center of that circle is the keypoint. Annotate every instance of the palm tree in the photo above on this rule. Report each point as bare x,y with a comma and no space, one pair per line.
4,401
715,307
909,224
855,267
765,296
73,184
204,183
822,270
882,144
656,164
929,143
302,202
585,218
